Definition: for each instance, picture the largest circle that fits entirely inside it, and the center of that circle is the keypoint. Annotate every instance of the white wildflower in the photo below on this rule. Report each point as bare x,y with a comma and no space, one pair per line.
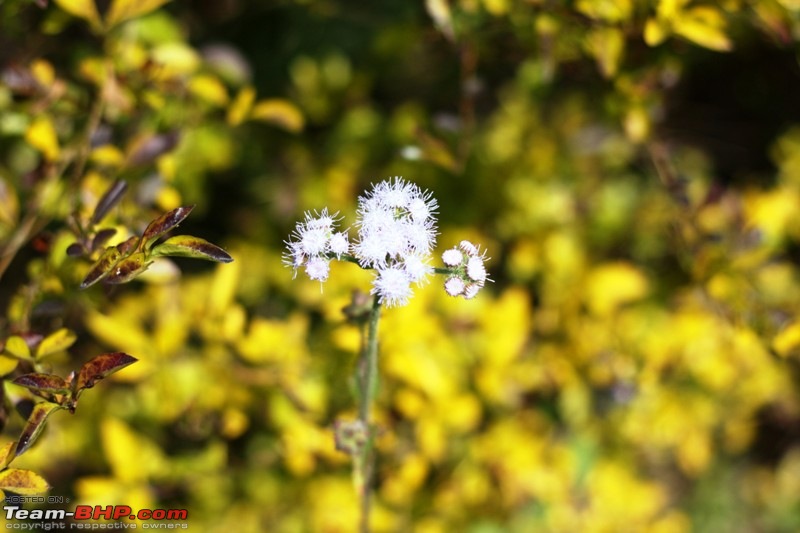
393,286
454,286
452,257
468,270
318,268
339,244
312,241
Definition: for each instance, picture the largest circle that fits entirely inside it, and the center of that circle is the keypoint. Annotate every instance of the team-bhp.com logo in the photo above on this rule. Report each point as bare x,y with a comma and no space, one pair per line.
87,517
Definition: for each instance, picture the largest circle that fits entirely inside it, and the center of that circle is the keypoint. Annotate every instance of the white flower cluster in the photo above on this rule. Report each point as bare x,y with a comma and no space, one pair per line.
315,241
468,272
396,235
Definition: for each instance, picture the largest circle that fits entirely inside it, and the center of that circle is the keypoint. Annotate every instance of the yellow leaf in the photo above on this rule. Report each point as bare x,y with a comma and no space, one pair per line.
42,135
132,457
22,482
637,124
17,347
122,10
43,72
55,342
84,9
606,45
7,453
439,10
209,89
704,26
7,364
787,340
607,10
241,106
107,156
655,31
667,9
175,59
612,285
279,112
496,7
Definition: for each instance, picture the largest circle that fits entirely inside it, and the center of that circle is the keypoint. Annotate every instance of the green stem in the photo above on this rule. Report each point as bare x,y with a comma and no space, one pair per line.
368,385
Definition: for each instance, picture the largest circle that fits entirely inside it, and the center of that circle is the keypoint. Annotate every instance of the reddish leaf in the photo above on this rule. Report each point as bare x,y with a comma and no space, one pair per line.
126,246
148,150
102,237
166,222
76,249
102,267
34,425
112,196
100,367
43,383
127,269
188,246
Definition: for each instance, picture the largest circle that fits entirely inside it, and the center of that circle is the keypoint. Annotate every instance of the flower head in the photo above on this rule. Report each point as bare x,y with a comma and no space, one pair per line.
396,218
393,286
467,270
312,242
396,233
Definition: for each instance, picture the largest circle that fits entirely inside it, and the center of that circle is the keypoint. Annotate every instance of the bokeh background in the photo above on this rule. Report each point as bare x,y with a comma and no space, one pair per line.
631,166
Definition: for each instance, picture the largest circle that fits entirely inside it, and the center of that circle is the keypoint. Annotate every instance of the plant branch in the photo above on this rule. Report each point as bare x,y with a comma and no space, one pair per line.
368,387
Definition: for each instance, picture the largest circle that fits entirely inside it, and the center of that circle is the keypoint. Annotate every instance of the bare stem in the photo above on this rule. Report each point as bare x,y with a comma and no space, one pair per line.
368,386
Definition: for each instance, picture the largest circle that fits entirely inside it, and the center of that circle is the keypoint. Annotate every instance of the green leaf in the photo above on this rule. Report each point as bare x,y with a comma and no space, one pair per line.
43,383
165,222
102,267
195,247
101,367
127,269
34,425
22,482
57,341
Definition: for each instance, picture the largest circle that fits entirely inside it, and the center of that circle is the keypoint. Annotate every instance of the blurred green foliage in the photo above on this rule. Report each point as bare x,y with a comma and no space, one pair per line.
633,167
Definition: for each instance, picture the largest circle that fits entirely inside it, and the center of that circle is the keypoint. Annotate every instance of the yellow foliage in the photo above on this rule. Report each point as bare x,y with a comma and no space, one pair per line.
210,89
606,10
787,340
240,109
612,285
279,112
44,72
175,59
619,500
122,10
84,9
132,457
42,135
704,26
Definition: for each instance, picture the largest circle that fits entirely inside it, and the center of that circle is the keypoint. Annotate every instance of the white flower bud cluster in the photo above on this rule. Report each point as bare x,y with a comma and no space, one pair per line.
396,235
313,242
468,270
